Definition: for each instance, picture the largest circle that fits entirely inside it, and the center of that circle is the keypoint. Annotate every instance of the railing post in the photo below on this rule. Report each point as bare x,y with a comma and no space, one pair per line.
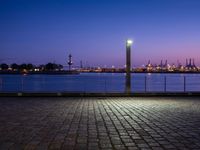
1,83
105,90
184,83
145,84
43,83
84,86
22,84
165,84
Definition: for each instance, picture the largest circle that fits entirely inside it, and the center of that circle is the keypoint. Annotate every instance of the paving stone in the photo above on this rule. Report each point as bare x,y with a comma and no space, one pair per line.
99,123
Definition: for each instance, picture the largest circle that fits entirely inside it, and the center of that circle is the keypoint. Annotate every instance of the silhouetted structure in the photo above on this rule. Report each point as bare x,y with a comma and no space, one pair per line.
70,61
81,64
191,65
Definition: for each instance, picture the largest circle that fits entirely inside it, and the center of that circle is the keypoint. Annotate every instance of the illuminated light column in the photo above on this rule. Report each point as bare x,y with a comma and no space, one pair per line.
128,66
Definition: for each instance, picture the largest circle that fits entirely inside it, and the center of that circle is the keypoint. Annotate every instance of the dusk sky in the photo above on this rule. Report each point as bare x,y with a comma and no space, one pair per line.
95,31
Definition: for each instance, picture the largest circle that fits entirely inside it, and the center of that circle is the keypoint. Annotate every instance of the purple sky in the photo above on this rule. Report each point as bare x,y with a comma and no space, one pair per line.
94,31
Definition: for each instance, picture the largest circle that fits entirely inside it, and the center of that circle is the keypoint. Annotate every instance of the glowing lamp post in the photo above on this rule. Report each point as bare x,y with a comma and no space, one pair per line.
128,66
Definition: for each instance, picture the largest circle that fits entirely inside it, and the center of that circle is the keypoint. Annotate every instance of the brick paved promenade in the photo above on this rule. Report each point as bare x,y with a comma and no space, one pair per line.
99,123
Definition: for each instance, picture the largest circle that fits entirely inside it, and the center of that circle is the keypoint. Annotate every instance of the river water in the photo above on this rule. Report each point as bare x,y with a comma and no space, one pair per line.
100,82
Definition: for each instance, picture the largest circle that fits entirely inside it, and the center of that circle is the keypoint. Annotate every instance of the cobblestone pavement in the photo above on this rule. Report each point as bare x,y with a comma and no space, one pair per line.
99,123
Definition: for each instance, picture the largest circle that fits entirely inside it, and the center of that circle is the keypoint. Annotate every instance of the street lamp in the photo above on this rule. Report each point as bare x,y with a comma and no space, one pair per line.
129,42
128,66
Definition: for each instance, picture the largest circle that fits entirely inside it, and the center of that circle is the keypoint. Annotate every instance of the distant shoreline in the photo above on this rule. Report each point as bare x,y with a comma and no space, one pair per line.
40,72
78,72
148,72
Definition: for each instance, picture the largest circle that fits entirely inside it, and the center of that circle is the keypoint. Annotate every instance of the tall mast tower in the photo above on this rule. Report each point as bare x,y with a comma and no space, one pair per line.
69,61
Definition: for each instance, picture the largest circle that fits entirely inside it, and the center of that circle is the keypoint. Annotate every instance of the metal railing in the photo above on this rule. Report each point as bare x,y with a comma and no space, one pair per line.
115,84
